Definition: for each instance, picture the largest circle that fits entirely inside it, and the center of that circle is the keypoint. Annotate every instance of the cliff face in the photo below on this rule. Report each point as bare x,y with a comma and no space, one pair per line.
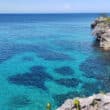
95,102
101,30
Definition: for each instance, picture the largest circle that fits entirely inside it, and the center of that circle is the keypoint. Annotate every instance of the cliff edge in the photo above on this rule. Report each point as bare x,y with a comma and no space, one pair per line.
101,30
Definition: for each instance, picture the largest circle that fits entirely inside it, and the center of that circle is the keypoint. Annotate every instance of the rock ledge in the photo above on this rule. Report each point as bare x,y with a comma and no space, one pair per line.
96,102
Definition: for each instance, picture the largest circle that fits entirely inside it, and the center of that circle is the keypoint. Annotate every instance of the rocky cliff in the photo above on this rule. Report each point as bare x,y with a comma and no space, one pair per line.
96,102
101,30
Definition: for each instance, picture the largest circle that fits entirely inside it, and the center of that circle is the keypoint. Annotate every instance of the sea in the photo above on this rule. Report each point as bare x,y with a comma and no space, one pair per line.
48,58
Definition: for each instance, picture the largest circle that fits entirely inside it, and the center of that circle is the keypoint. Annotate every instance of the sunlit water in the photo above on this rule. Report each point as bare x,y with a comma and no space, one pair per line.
49,58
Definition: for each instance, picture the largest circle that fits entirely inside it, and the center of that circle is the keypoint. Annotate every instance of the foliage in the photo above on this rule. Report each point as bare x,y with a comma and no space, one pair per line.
77,104
48,106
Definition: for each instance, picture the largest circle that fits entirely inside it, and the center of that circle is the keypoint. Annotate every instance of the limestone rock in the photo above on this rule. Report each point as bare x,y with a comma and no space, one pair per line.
95,102
101,30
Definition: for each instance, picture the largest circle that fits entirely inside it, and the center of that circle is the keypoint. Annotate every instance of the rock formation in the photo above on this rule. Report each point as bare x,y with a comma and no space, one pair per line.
96,102
101,30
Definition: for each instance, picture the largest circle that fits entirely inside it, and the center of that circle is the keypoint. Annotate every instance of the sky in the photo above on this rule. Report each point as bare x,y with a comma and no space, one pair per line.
54,6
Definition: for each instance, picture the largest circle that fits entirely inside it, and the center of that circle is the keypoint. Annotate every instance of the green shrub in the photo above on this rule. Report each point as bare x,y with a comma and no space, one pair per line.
48,106
77,104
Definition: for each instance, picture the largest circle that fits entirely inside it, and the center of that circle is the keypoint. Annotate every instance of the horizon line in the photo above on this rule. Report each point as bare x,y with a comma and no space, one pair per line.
52,12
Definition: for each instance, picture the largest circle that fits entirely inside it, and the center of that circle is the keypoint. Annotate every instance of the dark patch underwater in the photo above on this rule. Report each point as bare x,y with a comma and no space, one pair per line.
35,78
59,99
95,67
27,58
68,82
65,70
19,101
98,68
8,50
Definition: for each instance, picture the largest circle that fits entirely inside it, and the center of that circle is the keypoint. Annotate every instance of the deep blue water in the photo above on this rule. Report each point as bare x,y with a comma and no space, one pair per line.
49,58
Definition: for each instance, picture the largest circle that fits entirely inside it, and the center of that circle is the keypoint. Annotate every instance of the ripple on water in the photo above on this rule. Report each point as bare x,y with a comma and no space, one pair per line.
8,50
52,55
74,45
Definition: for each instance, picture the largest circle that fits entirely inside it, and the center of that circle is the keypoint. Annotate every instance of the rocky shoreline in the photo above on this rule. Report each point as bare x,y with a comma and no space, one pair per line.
96,102
101,30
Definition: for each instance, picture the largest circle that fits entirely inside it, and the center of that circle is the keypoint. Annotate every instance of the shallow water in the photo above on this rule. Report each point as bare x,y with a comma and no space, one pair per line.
49,58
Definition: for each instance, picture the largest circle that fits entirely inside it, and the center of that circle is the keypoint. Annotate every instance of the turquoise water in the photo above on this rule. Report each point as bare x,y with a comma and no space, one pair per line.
49,58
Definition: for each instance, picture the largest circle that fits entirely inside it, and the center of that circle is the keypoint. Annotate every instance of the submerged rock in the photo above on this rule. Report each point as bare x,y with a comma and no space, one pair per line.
95,102
35,78
101,30
65,70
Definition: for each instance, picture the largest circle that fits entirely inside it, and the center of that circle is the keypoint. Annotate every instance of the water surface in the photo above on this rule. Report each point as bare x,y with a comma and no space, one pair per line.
49,58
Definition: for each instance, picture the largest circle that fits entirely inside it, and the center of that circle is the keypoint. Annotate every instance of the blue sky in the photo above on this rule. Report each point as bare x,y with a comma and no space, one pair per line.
54,6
